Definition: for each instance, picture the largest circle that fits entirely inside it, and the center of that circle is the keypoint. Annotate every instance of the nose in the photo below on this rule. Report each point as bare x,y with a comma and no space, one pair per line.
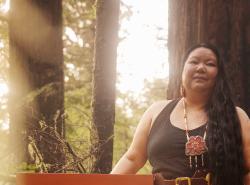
201,67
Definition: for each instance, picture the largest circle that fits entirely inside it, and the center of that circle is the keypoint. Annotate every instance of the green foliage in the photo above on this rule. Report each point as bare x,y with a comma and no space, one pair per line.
79,20
78,119
129,112
80,17
155,90
24,167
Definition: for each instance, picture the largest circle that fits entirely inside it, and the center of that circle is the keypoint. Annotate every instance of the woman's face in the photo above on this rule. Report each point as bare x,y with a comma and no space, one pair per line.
200,70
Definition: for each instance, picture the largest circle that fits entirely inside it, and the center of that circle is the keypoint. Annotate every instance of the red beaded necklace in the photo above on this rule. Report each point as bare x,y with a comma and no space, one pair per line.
195,145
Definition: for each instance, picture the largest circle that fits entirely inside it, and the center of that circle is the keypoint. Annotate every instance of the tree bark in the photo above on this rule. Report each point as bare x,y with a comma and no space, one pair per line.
104,81
222,23
36,75
246,54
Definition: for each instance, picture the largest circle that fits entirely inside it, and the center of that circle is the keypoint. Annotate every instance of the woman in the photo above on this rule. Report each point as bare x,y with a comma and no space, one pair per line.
201,131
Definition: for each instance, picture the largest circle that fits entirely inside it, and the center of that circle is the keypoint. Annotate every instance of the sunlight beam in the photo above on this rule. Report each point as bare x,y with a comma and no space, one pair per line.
3,89
143,54
5,6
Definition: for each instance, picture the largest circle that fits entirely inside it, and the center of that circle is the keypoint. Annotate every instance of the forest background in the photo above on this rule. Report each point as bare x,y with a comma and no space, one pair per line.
78,36
63,107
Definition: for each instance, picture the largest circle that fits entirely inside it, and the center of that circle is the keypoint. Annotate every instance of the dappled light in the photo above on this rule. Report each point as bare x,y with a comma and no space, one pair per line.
5,6
142,61
37,49
3,89
76,77
4,120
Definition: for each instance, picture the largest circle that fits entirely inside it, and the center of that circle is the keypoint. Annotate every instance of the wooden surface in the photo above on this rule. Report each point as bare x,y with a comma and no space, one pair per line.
82,179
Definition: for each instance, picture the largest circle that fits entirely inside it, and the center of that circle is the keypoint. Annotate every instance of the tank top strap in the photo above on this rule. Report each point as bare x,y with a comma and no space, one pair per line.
166,147
164,115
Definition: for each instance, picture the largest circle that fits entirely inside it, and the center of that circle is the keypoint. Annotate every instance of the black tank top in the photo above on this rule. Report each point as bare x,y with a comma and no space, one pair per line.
166,146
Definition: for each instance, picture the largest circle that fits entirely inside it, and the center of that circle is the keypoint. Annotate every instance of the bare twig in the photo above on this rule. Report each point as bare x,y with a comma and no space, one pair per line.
38,155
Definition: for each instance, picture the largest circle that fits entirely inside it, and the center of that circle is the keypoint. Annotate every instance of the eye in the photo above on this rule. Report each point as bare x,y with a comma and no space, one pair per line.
193,62
211,63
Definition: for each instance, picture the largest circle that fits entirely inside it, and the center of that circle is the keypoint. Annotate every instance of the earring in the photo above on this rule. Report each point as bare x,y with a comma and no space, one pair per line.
182,89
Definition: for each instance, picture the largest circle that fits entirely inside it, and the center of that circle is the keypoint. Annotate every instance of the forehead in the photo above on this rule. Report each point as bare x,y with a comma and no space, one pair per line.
202,52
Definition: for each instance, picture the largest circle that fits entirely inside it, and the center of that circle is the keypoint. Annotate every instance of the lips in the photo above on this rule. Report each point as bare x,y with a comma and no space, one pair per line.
200,78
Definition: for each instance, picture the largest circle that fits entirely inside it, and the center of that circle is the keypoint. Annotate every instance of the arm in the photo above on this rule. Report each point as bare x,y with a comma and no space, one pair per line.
136,156
245,126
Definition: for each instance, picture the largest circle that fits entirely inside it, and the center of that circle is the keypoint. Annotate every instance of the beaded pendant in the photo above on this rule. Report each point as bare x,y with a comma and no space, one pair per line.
195,146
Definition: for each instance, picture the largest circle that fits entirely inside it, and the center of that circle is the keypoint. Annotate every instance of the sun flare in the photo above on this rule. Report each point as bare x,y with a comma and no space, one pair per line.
143,53
3,89
5,6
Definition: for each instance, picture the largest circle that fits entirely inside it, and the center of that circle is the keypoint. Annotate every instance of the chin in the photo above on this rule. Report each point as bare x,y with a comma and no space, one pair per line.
201,88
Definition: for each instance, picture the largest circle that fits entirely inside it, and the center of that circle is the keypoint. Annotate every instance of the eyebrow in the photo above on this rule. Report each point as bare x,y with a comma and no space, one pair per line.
193,57
209,58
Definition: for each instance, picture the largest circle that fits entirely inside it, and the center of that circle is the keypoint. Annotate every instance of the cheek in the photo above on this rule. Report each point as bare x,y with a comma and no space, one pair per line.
186,76
187,72
214,74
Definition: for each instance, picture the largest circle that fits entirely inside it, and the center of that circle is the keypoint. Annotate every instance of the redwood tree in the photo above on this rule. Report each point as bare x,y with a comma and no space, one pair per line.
225,24
104,81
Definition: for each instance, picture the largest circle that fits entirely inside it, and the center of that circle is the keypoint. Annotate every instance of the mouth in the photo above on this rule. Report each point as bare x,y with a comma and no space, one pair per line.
199,78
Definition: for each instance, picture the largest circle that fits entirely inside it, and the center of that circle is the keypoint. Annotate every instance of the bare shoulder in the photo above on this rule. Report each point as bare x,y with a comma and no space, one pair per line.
159,105
245,128
245,124
156,108
150,114
244,119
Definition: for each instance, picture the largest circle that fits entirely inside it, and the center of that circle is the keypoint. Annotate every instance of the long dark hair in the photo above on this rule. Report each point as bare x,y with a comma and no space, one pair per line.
225,151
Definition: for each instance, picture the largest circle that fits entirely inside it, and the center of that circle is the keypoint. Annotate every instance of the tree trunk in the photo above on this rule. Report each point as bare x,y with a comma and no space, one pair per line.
104,81
222,23
36,75
246,54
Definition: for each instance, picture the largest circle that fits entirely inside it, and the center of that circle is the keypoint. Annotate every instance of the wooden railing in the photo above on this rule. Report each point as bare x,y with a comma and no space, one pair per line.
82,179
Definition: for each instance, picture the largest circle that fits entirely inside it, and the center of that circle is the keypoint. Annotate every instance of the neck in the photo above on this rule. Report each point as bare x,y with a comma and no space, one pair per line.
196,101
